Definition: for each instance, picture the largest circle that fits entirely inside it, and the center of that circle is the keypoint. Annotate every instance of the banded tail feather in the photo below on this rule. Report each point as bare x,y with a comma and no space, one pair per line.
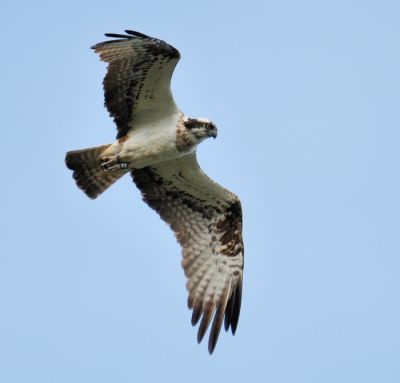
88,175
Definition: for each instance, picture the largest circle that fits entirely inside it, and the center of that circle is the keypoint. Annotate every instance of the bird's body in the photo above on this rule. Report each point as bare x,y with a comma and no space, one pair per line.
148,144
157,144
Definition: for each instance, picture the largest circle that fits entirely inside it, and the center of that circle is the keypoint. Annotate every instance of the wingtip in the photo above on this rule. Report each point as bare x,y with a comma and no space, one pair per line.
114,35
211,348
236,309
138,34
196,315
117,35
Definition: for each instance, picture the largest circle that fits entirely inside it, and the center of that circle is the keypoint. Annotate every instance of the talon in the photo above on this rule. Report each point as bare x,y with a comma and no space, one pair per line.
112,163
113,168
109,160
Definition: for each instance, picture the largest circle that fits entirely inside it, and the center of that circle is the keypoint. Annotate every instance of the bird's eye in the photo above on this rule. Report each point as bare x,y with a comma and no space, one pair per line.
208,126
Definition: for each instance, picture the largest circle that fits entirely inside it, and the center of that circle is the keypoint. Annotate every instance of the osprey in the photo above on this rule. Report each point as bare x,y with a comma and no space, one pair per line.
157,144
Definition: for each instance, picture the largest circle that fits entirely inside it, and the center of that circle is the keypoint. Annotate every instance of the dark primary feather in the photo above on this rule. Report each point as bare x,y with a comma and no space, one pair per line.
118,35
233,310
134,33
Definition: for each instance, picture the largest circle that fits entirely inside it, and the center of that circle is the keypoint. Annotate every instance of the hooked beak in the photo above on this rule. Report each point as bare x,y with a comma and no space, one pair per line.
213,133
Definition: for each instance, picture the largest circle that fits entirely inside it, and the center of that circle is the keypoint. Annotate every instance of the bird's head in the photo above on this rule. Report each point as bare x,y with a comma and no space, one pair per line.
200,128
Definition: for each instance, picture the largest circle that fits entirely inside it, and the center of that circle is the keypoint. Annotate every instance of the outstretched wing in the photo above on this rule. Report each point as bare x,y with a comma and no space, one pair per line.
207,221
137,86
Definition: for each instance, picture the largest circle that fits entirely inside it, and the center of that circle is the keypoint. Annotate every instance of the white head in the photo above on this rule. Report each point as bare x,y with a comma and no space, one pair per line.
200,128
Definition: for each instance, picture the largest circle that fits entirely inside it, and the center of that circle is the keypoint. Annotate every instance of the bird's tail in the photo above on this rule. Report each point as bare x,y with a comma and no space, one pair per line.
88,174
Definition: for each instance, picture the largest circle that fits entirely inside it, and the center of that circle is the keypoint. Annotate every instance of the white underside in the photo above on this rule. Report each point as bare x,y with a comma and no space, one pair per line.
150,144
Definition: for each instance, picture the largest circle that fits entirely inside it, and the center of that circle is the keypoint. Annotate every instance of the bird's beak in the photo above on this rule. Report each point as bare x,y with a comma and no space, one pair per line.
213,133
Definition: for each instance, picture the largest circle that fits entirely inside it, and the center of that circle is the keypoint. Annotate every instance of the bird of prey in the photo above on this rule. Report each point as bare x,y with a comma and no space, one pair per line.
157,144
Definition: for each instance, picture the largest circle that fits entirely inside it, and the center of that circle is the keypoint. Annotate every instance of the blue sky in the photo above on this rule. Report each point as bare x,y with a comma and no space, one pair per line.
306,98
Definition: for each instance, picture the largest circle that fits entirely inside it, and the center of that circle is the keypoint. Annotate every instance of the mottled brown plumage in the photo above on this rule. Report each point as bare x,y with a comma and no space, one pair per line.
206,220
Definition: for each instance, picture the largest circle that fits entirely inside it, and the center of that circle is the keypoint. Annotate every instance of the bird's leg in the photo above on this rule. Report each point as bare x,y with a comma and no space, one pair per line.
112,163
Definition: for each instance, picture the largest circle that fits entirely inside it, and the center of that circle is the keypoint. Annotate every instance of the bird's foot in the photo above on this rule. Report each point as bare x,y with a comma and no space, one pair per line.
110,164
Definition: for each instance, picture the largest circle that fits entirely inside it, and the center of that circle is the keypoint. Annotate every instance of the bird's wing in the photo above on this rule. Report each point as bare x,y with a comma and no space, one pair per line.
137,86
207,222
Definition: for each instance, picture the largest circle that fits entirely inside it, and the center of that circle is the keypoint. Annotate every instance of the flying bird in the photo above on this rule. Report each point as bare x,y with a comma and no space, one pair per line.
157,143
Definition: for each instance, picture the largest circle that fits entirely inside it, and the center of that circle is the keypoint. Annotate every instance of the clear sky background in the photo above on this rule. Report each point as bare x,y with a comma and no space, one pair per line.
306,97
